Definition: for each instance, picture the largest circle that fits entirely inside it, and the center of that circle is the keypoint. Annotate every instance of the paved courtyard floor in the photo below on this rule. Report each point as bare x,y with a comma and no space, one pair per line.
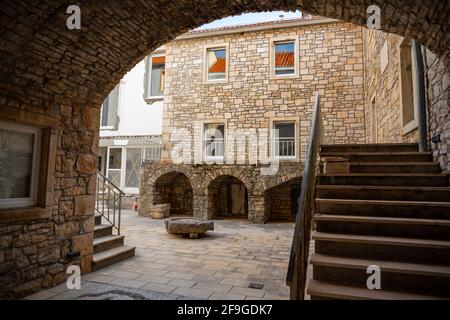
221,265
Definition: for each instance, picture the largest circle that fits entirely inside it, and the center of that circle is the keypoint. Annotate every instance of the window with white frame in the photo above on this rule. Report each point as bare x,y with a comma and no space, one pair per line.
284,140
109,110
155,77
284,58
216,64
115,165
152,153
214,141
19,165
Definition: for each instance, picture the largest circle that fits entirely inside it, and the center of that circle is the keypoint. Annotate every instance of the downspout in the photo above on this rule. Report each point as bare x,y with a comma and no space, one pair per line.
420,95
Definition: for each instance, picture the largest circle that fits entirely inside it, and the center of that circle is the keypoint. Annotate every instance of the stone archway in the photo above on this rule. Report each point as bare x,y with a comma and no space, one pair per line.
227,198
174,188
56,79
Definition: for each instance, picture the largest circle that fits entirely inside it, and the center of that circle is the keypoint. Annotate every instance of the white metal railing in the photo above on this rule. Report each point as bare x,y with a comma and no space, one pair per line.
152,153
284,148
214,149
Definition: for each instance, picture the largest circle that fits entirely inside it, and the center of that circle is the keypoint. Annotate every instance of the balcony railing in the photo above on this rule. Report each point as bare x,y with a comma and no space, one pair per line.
214,149
284,148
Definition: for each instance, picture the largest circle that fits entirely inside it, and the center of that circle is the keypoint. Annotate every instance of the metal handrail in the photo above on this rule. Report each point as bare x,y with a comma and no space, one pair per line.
109,201
298,262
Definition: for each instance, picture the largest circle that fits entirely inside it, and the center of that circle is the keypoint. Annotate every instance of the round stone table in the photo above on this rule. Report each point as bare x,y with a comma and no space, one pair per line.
188,226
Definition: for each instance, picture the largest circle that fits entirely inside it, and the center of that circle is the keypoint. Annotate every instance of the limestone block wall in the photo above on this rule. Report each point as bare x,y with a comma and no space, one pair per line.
438,103
331,62
384,88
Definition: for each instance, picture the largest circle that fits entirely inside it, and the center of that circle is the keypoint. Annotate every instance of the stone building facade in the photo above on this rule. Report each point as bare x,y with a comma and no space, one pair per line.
252,97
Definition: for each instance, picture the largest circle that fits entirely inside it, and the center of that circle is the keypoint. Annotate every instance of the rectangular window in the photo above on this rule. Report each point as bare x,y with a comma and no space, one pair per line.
216,64
133,167
19,165
109,110
284,146
115,165
214,141
284,58
152,153
157,76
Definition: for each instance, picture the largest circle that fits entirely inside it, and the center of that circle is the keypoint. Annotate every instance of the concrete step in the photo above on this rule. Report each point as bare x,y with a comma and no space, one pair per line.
383,192
398,276
383,248
107,242
394,167
326,290
381,156
378,147
111,256
385,208
384,226
385,179
101,230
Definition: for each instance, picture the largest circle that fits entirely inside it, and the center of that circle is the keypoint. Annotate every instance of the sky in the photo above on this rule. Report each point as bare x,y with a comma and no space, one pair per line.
247,18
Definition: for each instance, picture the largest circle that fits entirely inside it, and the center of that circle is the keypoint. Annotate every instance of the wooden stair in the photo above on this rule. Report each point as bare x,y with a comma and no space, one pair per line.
108,248
391,210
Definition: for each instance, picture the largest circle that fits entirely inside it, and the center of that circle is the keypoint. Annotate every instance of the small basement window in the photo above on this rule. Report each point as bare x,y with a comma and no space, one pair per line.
19,165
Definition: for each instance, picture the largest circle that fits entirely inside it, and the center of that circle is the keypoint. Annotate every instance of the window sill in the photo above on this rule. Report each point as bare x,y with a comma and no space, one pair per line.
24,214
153,99
107,128
289,76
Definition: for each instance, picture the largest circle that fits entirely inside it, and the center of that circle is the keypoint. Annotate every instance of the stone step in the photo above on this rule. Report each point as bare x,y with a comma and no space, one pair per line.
385,226
111,256
325,290
101,230
385,179
385,208
410,277
394,167
378,147
381,156
383,192
107,242
383,248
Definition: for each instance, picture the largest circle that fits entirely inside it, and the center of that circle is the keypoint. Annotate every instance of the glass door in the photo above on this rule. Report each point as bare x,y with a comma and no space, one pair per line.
133,166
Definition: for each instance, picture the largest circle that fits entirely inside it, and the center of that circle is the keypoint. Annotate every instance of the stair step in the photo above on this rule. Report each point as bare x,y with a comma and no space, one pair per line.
381,156
394,167
377,147
383,247
383,192
111,256
107,242
385,179
101,230
417,209
324,290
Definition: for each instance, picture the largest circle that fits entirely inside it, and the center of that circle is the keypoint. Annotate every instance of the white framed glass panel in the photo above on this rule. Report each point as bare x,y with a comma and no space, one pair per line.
152,153
19,165
284,146
115,165
216,64
214,141
284,60
133,166
157,76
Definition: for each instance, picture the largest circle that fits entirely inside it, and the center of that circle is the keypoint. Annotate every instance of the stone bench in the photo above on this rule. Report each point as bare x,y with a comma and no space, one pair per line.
160,211
188,226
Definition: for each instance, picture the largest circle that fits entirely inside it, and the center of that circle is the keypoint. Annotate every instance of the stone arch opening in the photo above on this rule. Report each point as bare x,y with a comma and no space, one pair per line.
174,188
227,198
281,200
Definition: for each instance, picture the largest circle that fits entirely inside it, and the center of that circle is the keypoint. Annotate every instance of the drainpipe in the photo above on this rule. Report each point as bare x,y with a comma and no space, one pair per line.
420,95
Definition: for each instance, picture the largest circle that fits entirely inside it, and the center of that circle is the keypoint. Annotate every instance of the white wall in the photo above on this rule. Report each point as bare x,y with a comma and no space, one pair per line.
136,116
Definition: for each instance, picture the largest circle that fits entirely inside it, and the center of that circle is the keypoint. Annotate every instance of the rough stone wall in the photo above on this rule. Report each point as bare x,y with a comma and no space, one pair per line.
220,203
438,103
201,177
331,62
34,251
279,200
385,86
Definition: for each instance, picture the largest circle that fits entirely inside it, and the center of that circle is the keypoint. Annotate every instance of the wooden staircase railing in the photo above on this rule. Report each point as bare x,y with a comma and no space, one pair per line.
108,201
298,262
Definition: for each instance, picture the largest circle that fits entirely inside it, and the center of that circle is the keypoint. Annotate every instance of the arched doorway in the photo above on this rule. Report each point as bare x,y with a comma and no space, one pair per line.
281,200
227,198
175,189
